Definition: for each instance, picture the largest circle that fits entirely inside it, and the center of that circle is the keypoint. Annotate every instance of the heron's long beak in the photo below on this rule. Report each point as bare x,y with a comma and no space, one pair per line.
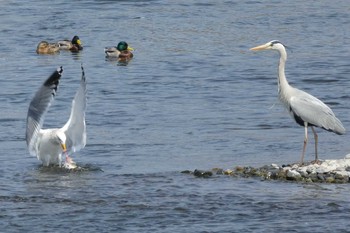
64,148
260,47
130,49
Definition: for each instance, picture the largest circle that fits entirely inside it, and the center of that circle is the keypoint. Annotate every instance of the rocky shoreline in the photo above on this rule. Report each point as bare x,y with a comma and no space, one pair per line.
324,171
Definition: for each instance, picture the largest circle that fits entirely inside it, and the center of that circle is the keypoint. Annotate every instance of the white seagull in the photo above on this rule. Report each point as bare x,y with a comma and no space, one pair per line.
49,144
304,108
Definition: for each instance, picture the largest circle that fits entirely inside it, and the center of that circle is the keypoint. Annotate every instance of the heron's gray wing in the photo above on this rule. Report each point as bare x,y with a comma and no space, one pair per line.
314,111
39,106
75,128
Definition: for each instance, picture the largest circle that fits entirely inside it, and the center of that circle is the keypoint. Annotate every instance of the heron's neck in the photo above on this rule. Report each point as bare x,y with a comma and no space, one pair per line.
282,80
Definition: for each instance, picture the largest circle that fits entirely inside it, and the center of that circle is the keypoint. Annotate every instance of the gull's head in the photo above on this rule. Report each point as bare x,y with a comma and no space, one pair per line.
61,137
274,44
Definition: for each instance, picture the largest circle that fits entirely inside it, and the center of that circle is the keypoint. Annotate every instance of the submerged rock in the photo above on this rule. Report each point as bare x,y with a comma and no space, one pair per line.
327,171
204,174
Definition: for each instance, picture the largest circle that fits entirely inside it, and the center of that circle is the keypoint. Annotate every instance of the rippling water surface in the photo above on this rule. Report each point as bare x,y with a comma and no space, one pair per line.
194,96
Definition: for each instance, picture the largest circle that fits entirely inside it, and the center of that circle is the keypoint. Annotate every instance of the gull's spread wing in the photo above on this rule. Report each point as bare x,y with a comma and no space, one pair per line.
75,128
39,106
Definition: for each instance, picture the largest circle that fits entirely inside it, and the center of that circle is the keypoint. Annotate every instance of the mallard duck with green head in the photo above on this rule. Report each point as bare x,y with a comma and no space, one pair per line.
122,51
45,47
74,45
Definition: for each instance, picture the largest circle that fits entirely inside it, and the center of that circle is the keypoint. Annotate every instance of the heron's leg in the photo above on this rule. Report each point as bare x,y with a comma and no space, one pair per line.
316,142
305,142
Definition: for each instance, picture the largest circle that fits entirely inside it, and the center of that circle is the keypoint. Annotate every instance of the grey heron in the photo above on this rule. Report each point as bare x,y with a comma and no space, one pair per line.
49,144
304,108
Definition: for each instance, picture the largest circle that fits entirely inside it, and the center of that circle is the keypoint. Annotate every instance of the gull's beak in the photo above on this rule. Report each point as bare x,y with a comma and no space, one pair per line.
260,47
64,148
130,49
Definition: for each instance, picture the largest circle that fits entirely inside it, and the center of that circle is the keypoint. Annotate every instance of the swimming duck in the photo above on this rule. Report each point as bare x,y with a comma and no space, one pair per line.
74,45
45,47
122,51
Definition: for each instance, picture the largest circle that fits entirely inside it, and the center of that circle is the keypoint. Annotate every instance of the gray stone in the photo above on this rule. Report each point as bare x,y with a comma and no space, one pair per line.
293,175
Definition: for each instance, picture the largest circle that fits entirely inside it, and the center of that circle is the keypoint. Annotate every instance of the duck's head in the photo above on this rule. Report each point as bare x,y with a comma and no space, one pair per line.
77,42
122,46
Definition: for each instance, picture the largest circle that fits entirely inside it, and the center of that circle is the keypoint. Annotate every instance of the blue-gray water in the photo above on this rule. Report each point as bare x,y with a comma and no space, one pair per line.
194,96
